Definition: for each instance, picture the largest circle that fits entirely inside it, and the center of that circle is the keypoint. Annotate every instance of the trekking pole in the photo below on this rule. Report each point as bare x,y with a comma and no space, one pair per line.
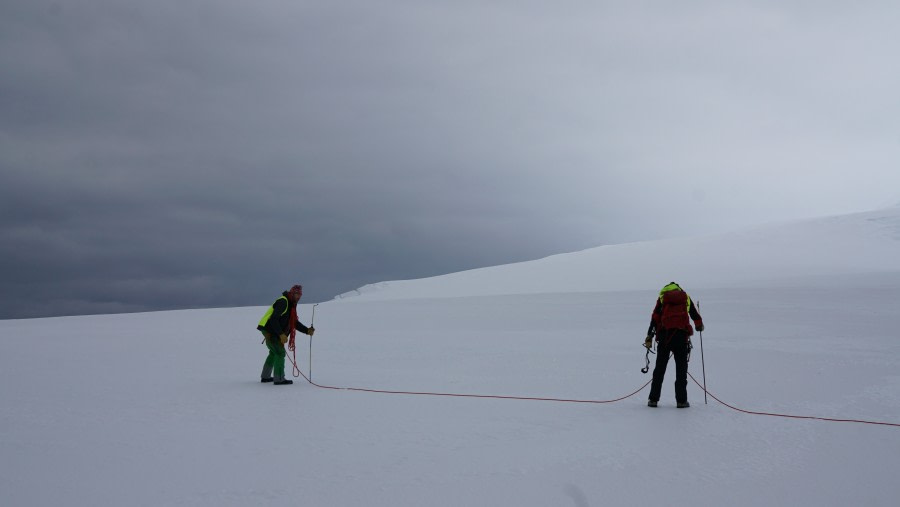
702,362
311,324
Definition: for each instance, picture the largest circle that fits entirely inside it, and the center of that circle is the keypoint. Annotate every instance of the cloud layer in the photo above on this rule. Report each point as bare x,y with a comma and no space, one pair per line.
195,154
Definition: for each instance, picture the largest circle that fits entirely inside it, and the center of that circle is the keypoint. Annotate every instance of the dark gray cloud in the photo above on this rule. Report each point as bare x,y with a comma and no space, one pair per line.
193,154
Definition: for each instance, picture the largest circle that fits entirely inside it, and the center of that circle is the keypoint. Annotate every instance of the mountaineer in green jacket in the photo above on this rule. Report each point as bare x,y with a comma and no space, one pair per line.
278,326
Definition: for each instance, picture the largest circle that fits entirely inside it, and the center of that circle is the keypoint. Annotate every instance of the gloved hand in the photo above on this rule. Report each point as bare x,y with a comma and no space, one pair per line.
284,338
648,342
699,326
310,331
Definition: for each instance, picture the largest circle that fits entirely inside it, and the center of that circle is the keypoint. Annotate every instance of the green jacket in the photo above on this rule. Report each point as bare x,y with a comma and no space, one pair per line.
277,319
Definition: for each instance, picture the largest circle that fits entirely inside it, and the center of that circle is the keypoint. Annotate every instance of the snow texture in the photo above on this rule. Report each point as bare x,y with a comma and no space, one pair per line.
165,409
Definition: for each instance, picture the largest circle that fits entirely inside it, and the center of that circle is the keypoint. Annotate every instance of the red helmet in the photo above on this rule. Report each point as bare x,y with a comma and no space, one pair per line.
296,290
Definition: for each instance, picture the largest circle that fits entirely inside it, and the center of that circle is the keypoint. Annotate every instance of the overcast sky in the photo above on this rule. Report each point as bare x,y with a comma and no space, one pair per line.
186,154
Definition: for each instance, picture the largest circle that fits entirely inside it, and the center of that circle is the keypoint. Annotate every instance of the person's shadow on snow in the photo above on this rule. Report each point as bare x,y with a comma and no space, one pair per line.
577,496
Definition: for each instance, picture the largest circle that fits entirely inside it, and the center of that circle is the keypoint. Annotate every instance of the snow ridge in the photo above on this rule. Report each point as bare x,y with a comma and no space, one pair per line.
863,244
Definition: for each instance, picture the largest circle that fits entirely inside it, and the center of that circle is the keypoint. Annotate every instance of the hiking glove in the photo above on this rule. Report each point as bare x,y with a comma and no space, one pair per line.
648,342
284,339
310,331
699,326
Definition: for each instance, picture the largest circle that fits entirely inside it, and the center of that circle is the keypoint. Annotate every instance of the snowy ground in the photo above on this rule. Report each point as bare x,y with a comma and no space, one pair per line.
166,408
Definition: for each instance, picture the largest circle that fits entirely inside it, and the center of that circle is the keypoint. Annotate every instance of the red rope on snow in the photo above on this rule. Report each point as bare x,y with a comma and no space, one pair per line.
298,373
860,421
456,395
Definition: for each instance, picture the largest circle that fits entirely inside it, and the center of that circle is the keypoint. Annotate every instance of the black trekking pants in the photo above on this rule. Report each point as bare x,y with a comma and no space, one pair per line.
674,341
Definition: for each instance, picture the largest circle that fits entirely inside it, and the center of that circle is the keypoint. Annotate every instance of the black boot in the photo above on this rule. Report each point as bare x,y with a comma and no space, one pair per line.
283,382
683,404
266,379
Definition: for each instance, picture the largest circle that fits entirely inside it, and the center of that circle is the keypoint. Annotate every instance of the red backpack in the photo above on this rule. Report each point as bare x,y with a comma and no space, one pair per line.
675,307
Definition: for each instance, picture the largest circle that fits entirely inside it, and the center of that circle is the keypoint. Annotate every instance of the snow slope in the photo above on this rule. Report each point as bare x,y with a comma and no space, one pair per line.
165,409
858,245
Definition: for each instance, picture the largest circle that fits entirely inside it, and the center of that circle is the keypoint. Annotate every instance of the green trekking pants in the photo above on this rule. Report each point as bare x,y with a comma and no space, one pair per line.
276,356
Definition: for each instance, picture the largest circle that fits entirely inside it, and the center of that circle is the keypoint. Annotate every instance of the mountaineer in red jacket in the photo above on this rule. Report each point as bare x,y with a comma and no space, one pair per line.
669,323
